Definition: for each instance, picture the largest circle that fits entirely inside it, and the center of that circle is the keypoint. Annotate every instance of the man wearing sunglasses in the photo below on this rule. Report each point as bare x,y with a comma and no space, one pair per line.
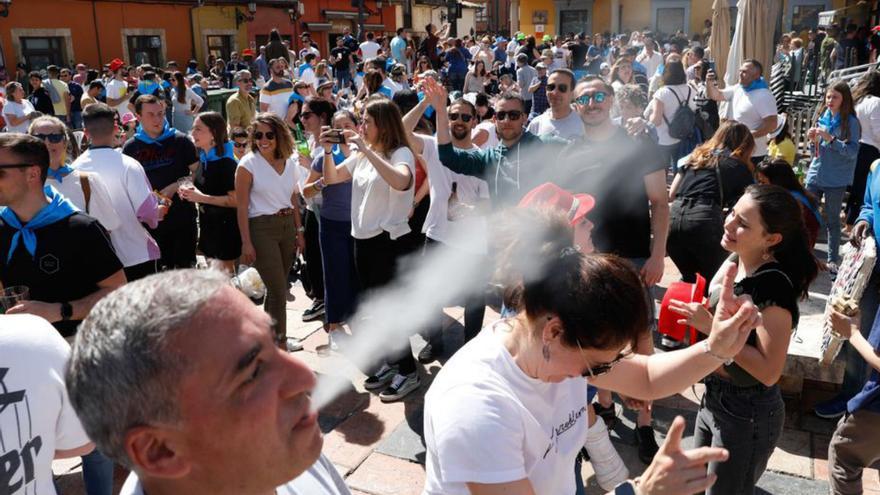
166,155
511,168
44,240
560,120
241,108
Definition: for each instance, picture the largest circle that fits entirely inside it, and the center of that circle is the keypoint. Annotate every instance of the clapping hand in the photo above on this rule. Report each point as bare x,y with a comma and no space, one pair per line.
735,318
435,93
679,472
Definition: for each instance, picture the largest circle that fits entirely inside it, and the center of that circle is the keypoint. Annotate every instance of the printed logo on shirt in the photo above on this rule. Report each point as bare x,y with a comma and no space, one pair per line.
18,452
558,431
50,264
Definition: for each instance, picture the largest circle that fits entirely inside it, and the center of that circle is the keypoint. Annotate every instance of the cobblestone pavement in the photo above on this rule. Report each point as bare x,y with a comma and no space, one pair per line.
379,449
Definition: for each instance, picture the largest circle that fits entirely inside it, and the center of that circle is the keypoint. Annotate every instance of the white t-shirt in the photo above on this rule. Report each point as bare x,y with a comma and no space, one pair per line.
191,100
486,421
36,417
750,109
667,95
560,58
270,192
375,205
569,127
369,49
392,86
117,89
489,127
131,194
650,62
100,205
19,110
320,479
276,96
468,233
868,112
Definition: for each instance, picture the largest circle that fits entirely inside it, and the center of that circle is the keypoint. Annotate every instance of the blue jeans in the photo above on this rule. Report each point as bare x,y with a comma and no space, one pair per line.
343,79
76,120
833,204
97,473
856,371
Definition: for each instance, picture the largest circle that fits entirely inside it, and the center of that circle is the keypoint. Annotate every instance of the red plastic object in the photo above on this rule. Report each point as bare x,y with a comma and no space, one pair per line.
667,323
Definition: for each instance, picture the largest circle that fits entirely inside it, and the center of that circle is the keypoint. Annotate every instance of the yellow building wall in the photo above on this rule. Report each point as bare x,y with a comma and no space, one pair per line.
601,16
528,7
636,15
216,20
700,11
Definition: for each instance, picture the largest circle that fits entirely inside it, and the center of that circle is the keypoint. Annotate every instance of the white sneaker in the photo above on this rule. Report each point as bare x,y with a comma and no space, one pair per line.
607,464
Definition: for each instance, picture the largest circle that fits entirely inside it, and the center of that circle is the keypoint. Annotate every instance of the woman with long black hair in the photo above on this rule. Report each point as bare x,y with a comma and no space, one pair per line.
866,97
779,172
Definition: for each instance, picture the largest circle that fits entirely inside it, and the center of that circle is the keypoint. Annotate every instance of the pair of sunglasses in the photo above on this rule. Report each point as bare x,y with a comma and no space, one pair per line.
599,369
563,88
54,138
511,115
463,116
260,134
240,145
584,99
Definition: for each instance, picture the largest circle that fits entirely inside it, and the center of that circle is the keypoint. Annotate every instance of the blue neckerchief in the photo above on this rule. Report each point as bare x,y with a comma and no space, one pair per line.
212,156
829,121
385,90
165,84
758,83
167,132
804,201
361,74
58,208
338,156
660,69
302,68
147,87
295,97
428,111
60,173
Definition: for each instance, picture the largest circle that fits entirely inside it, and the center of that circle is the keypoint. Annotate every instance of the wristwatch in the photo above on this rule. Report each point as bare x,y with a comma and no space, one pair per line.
300,229
66,311
626,488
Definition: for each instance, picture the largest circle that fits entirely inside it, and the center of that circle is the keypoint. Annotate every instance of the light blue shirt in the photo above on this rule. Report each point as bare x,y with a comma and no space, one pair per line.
398,49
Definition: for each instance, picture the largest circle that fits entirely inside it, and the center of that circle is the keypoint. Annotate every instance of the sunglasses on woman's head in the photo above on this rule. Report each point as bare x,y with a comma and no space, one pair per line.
54,138
511,115
463,116
584,99
268,134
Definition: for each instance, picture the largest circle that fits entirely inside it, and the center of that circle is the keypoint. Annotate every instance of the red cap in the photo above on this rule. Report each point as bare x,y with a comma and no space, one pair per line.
667,321
875,28
549,194
247,52
116,64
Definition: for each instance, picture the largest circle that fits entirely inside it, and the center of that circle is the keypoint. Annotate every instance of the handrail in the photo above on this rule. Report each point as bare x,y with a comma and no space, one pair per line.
838,73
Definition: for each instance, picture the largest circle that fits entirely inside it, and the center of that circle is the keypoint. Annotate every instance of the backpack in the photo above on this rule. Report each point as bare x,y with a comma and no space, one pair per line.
682,124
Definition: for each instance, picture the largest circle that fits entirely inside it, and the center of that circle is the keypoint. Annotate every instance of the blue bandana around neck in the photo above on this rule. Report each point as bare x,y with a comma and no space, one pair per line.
302,68
212,155
338,156
58,208
295,97
147,87
60,173
829,122
758,83
167,132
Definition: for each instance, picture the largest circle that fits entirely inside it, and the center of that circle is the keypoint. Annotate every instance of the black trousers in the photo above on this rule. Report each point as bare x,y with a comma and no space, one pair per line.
375,261
474,303
694,243
177,243
314,270
141,270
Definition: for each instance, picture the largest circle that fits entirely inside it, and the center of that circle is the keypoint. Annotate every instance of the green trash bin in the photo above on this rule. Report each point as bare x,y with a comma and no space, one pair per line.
217,100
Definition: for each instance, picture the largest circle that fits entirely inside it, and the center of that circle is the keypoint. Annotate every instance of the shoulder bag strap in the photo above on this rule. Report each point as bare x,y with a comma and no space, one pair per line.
86,188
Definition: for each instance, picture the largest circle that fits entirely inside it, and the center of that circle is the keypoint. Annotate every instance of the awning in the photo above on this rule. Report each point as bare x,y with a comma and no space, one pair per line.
340,14
319,26
375,27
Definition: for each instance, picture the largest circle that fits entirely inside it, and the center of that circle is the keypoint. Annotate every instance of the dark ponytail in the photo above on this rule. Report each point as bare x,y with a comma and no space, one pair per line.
600,299
781,214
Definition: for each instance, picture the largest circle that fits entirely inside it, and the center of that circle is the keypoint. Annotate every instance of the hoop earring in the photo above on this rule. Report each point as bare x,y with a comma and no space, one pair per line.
545,351
765,256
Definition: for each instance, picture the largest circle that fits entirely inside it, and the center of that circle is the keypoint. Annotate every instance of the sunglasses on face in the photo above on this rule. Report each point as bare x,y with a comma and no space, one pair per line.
463,116
599,369
563,88
585,99
508,115
53,138
240,145
268,134
15,165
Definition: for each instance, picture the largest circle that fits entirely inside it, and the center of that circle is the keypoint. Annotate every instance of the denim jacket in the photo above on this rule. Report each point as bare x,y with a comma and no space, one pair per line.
835,162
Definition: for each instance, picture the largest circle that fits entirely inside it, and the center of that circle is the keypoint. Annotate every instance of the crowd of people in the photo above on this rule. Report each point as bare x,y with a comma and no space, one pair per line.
591,157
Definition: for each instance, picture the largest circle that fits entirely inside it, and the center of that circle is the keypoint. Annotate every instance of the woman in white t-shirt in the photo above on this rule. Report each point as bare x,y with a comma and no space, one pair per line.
85,190
382,174
186,104
268,213
508,412
18,111
666,101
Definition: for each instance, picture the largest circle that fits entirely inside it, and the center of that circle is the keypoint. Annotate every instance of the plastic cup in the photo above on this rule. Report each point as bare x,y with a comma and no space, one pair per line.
11,296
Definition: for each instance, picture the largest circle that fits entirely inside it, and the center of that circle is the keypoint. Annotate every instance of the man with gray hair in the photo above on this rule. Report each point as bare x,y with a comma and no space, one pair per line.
176,376
241,108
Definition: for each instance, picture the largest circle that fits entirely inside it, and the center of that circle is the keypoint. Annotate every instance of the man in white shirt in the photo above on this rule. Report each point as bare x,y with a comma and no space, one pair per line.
560,119
36,417
130,193
177,377
648,57
751,103
369,48
117,88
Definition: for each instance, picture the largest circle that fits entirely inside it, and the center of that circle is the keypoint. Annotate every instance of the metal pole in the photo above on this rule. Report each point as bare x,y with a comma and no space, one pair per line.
452,18
361,35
